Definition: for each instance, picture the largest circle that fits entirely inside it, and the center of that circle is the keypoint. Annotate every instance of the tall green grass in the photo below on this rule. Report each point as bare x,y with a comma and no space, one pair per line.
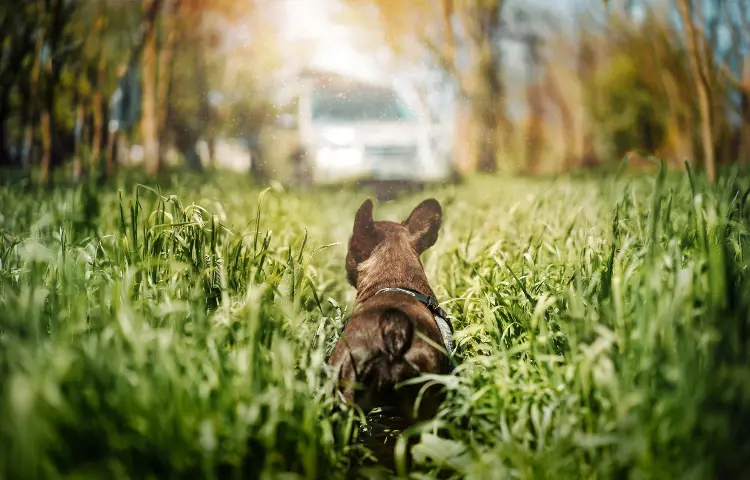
602,327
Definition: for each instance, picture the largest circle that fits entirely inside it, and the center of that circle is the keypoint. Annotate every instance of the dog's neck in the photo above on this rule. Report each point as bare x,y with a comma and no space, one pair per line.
391,265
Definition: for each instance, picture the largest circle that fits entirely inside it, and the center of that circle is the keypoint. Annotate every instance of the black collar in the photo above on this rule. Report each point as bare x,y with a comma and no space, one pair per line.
430,302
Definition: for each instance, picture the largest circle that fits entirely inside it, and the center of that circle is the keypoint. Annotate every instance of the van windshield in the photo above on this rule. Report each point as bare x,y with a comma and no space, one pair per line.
359,105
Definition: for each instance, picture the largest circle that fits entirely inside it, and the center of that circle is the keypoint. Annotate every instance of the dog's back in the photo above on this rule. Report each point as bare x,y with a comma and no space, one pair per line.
391,367
384,345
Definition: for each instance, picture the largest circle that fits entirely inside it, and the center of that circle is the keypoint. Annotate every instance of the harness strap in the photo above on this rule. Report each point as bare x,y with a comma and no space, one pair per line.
441,318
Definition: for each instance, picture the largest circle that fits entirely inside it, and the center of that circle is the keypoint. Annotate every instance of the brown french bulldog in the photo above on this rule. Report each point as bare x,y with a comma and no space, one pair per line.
384,343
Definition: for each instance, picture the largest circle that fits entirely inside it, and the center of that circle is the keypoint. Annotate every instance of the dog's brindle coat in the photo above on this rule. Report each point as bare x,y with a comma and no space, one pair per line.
380,346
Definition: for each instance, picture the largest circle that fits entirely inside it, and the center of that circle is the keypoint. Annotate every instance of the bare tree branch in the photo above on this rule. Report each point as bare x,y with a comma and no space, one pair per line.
733,79
147,26
444,59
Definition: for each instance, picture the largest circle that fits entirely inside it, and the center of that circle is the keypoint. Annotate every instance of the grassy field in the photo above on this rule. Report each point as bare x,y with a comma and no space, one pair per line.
603,327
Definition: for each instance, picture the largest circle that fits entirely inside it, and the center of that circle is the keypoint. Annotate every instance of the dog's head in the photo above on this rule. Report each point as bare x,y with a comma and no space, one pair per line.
390,248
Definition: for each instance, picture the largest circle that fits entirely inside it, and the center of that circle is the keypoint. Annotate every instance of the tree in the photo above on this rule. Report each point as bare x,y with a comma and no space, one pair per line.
190,65
55,14
16,32
699,65
449,29
149,120
639,93
63,59
736,17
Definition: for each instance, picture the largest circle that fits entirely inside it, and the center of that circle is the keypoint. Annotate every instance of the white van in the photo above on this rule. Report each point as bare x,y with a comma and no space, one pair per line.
350,130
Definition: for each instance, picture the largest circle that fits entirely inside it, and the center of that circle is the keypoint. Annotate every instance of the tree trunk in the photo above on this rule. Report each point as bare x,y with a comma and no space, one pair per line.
679,128
679,134
489,97
164,86
585,68
487,149
257,172
186,144
17,45
211,146
122,149
46,124
5,157
566,117
28,142
744,28
149,120
36,74
448,57
109,159
97,113
97,99
488,110
46,132
534,138
702,85
204,108
78,140
744,153
25,112
30,106
52,77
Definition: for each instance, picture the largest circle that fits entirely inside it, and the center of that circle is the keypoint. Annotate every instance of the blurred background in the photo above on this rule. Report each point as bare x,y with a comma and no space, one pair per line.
91,87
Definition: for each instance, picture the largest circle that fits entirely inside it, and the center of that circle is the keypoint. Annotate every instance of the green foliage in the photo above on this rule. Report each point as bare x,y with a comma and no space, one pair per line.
626,106
146,349
602,328
641,95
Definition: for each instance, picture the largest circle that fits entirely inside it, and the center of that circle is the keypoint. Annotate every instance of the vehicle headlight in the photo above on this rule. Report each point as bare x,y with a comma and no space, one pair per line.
337,138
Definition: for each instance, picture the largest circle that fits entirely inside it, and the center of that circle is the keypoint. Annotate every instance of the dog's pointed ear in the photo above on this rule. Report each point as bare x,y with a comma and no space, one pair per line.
365,236
364,225
424,223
